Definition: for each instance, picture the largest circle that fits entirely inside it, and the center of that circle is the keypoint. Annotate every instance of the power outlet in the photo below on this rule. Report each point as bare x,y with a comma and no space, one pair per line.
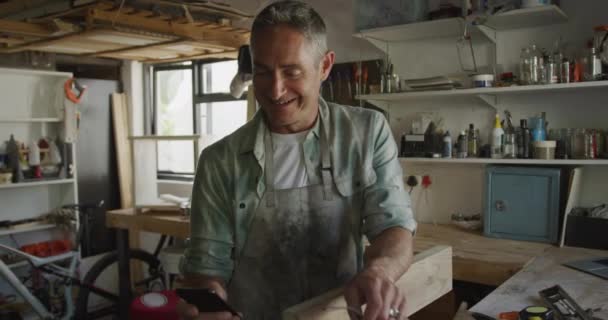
408,183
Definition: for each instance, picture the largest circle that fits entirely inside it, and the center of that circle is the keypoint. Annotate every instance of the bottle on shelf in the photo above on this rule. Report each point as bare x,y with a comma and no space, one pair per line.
497,139
536,65
524,66
472,142
595,65
462,145
523,140
538,132
510,139
447,145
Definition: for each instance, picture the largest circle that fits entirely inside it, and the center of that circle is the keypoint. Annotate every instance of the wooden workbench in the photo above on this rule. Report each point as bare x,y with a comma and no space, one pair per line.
546,271
476,258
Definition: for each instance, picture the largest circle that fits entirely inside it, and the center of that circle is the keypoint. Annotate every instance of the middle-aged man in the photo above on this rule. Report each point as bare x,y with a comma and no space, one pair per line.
280,207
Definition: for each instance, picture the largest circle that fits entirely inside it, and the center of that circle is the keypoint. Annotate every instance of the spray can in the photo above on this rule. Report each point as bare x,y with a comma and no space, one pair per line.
447,145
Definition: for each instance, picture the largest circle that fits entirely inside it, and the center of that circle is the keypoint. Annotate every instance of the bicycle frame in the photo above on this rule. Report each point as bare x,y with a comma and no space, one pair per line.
41,263
49,266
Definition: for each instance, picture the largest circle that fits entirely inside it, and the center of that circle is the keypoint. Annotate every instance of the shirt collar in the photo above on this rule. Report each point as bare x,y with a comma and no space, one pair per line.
253,139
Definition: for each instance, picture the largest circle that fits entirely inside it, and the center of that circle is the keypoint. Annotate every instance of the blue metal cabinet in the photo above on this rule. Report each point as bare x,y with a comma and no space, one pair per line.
522,203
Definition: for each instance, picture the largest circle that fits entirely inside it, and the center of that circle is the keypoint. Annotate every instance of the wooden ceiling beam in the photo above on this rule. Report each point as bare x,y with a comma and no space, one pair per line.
230,40
220,55
24,28
133,48
33,45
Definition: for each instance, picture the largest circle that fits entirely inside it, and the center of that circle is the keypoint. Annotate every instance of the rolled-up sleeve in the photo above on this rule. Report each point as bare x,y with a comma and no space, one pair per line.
211,226
387,204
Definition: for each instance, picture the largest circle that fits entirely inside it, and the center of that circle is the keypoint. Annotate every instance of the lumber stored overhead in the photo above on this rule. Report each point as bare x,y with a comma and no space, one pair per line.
109,30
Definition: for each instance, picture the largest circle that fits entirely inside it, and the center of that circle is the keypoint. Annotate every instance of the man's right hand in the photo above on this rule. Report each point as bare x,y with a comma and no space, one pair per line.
187,311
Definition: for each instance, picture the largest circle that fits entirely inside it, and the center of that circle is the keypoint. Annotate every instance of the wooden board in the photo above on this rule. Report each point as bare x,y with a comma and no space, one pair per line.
478,258
429,278
546,271
120,118
156,222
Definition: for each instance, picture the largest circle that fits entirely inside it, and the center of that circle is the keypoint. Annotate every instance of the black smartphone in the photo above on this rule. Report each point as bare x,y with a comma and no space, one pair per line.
205,300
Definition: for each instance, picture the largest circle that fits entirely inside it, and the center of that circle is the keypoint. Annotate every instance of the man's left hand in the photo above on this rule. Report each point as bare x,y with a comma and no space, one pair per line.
374,288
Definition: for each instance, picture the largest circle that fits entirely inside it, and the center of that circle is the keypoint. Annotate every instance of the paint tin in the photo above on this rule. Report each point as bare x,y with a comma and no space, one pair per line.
483,80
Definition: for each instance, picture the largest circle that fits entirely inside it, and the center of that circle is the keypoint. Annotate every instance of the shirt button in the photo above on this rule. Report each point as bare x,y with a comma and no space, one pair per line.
242,205
358,183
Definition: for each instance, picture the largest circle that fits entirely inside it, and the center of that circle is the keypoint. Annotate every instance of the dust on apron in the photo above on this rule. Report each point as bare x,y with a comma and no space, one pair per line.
301,243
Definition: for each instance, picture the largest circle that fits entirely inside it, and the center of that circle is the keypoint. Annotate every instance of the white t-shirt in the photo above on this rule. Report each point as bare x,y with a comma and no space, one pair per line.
289,167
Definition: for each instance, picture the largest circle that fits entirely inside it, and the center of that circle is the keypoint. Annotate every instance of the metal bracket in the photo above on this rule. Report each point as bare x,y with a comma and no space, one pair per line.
488,32
490,99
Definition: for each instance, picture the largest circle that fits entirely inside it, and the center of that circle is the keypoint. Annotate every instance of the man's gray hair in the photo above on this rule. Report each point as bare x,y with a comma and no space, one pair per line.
298,15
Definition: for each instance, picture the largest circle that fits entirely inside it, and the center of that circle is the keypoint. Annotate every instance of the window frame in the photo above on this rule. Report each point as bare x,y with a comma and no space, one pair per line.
198,97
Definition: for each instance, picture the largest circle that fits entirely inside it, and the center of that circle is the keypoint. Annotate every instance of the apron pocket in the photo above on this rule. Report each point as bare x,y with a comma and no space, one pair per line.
355,183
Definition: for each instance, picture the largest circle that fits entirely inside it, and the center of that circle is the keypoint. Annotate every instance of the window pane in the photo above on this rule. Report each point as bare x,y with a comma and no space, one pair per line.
219,119
176,156
173,96
217,76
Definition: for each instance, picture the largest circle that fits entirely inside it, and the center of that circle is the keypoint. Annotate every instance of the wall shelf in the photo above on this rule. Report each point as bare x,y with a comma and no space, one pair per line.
36,183
26,227
570,162
31,120
527,18
477,92
36,72
453,27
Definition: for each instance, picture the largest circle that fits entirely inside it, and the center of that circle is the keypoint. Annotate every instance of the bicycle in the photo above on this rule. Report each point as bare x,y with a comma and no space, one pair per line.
93,286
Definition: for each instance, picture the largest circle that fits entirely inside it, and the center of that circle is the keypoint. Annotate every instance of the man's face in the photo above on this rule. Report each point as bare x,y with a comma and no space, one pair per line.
287,75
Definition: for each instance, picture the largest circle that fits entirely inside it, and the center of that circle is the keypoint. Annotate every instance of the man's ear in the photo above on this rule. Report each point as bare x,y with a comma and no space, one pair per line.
327,63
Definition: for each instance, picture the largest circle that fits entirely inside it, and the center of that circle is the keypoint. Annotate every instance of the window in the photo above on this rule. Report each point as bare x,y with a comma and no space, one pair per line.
193,99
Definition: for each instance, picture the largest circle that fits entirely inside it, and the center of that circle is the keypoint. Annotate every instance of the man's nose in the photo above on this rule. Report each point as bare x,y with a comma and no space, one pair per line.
278,86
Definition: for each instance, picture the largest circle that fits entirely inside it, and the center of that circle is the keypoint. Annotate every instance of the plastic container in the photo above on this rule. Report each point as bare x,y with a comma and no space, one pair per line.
483,80
544,150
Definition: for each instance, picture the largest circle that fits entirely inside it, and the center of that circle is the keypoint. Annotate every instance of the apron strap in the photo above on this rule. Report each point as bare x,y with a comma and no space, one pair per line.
269,169
326,169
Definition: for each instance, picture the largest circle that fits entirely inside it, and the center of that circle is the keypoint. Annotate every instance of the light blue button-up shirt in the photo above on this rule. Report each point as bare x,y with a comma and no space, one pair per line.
229,183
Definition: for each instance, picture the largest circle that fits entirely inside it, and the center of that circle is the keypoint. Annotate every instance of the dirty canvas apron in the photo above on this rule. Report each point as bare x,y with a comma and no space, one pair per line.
301,243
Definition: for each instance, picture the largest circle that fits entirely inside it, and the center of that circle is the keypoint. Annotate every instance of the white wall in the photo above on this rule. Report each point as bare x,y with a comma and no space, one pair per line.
459,188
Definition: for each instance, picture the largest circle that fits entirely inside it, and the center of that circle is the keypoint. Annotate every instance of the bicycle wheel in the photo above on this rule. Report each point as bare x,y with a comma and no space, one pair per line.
101,300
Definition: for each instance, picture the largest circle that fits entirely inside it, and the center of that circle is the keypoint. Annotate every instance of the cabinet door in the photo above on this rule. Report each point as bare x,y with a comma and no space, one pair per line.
523,203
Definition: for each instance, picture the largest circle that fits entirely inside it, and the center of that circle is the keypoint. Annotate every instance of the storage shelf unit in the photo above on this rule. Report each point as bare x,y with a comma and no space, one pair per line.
572,162
453,27
513,90
36,183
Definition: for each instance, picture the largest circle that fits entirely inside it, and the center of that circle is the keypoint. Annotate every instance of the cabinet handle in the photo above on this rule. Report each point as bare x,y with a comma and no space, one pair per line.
500,205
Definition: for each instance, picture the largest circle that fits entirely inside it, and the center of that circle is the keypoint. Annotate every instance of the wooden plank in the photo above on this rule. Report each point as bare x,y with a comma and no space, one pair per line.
133,48
171,224
546,271
220,55
120,119
478,258
228,40
37,44
24,28
429,278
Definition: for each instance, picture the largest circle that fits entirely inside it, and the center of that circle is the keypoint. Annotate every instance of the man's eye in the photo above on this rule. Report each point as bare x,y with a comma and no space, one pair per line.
293,73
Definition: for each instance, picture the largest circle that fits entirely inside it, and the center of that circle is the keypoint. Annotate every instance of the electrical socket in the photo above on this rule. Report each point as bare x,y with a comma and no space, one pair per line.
418,180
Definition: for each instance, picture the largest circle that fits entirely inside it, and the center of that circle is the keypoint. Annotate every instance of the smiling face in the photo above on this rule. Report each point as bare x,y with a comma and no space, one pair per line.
287,76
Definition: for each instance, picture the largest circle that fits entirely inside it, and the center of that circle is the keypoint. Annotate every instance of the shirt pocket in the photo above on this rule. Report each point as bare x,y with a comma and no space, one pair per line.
356,182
